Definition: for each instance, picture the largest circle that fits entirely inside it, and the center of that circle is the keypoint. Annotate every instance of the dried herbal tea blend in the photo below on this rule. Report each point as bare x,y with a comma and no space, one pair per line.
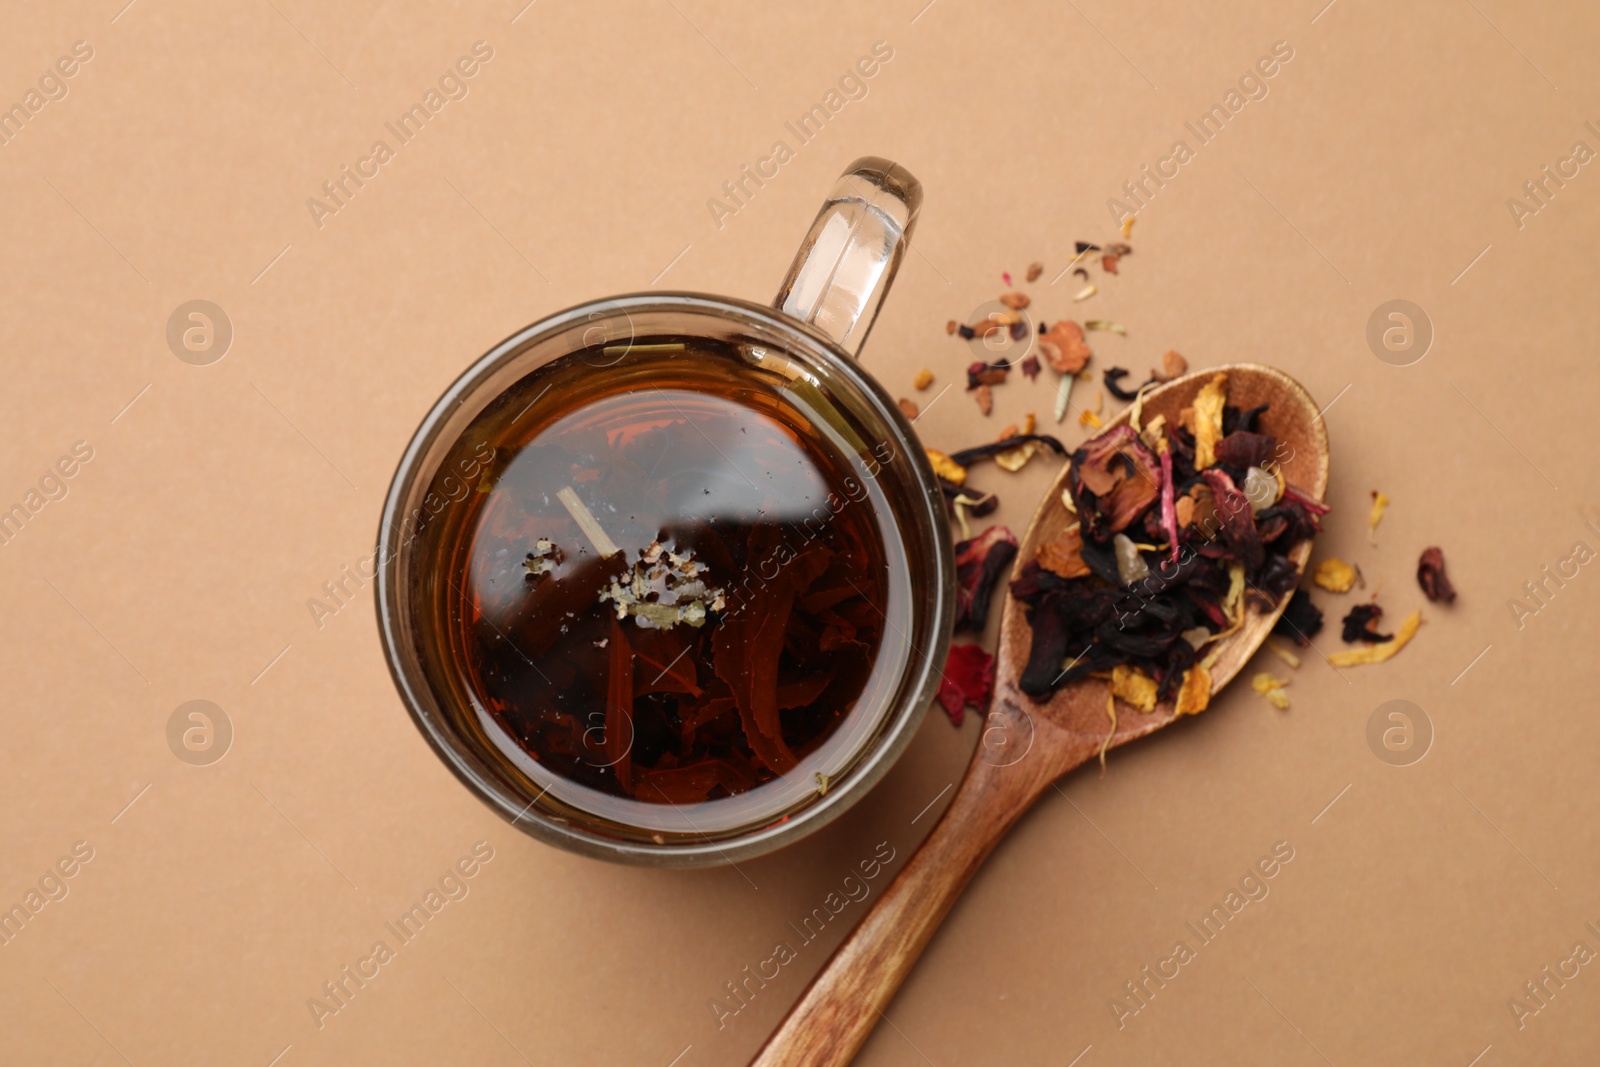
672,585
1181,530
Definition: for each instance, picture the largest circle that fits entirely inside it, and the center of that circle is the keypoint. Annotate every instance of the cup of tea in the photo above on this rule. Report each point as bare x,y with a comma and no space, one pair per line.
665,578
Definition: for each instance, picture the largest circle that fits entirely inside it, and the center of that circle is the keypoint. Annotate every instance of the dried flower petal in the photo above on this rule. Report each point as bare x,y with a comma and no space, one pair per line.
1109,264
985,399
1271,688
1284,654
981,373
1132,686
1378,653
1105,324
952,326
1086,292
1208,405
1034,270
1335,575
979,564
1361,624
1090,419
968,678
1173,365
1127,226
947,468
1194,695
1015,301
1030,368
1431,576
1301,619
1380,504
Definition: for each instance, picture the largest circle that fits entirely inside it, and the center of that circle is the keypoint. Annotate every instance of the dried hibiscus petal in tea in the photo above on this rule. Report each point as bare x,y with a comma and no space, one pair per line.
1431,576
968,679
1361,624
980,561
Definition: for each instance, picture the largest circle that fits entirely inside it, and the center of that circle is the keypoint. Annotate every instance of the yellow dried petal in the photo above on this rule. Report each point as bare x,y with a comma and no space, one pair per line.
1208,405
1127,227
1265,683
1014,459
1284,654
1355,657
947,468
1194,695
1111,713
1089,418
1278,699
1335,575
1380,503
1133,686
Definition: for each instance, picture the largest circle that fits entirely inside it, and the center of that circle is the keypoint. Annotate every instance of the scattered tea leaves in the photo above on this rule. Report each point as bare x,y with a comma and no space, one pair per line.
985,398
1301,619
1431,576
1355,657
979,564
923,380
1380,504
1086,292
1361,624
1271,688
1106,324
908,408
1194,695
1034,270
1132,686
1209,403
1284,654
1173,365
947,468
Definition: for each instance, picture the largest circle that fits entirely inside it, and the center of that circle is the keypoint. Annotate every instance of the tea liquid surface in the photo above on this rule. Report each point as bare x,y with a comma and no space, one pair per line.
673,586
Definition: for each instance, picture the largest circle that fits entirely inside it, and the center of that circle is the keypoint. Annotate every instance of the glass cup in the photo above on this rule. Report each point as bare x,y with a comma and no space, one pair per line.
801,351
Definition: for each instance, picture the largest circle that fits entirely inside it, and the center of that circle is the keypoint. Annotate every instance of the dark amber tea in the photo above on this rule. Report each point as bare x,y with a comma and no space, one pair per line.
670,584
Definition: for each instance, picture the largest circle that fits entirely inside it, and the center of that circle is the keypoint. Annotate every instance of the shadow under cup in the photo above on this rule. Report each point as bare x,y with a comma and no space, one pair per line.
554,371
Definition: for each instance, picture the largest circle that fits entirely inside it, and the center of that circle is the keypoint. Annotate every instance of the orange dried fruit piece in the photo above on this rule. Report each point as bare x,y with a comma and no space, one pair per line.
1063,556
1132,686
1194,693
907,408
1015,301
985,398
1208,405
1034,270
924,379
946,468
1064,348
1173,365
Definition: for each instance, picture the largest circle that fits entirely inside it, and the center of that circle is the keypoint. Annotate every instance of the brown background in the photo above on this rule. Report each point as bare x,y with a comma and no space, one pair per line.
180,564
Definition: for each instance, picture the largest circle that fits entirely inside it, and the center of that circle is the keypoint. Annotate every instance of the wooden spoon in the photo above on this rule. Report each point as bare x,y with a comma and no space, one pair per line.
1025,747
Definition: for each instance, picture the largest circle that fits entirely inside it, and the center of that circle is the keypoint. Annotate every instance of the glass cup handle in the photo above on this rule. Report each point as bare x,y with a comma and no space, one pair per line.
847,261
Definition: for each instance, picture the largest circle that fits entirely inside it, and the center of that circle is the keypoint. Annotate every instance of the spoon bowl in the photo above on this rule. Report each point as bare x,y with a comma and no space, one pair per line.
1027,744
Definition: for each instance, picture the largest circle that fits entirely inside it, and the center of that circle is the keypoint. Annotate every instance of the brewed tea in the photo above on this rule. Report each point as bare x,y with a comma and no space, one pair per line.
670,584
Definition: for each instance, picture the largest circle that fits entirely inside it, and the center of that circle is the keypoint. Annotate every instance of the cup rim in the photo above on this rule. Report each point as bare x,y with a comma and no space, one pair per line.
419,698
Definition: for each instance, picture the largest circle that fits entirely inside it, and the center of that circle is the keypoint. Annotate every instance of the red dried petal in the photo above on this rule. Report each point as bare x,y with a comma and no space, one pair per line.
968,679
979,564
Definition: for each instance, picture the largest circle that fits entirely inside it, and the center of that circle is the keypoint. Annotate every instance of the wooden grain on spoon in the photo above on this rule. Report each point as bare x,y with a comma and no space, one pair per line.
1027,745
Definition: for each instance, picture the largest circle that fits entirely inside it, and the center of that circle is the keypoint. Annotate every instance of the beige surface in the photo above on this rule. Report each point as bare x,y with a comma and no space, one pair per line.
179,564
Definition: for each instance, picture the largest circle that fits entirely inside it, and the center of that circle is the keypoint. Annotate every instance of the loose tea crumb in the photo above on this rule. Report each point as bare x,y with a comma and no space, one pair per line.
1380,504
923,380
1301,620
1361,624
1431,576
985,398
908,408
1086,292
1173,365
1034,270
1271,688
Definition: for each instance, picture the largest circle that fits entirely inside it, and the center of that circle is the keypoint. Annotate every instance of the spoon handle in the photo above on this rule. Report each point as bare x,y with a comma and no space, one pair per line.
844,1002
